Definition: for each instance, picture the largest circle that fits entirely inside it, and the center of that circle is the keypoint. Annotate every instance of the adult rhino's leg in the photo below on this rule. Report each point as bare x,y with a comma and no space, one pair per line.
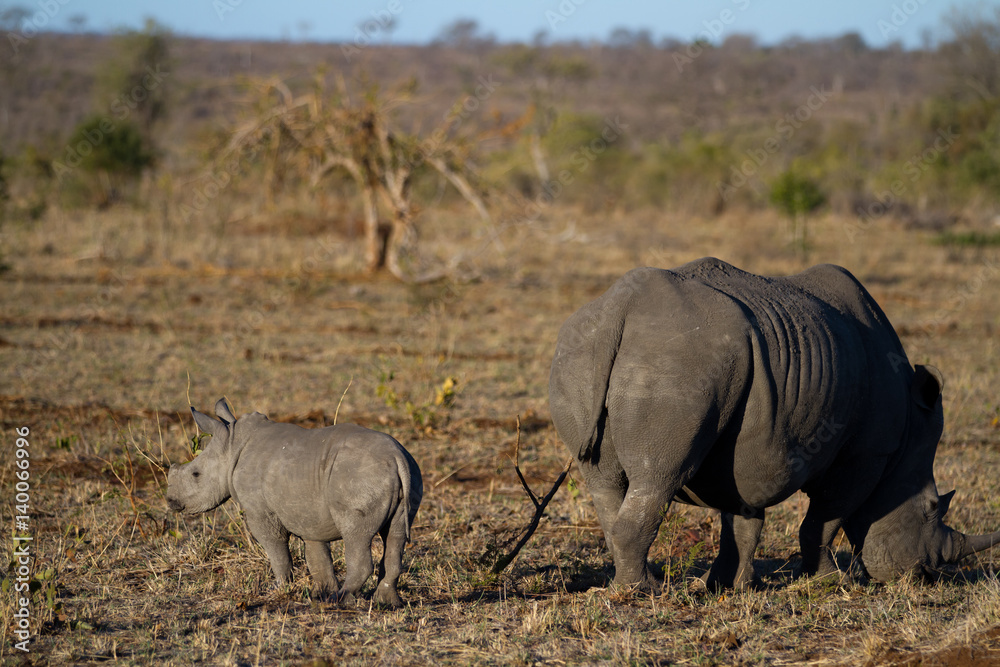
660,446
390,566
607,485
634,530
733,567
273,537
321,568
645,494
816,544
836,495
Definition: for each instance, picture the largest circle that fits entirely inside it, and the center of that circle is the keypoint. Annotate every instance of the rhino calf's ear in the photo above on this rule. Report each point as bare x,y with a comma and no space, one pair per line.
222,411
207,424
927,385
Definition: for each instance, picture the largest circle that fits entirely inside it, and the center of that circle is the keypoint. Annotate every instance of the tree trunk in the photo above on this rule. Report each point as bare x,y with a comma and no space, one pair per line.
376,234
378,247
401,240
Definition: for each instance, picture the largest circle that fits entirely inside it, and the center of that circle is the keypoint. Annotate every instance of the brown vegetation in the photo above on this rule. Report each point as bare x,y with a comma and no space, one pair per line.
100,346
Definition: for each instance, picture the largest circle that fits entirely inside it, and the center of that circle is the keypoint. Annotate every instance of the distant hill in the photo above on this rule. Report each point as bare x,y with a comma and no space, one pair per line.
660,92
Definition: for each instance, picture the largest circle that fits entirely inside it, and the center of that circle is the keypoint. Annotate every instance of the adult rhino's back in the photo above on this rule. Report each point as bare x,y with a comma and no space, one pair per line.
790,347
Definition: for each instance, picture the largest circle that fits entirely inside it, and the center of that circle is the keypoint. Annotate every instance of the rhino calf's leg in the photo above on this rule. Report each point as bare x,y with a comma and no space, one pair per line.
358,556
274,539
321,568
733,567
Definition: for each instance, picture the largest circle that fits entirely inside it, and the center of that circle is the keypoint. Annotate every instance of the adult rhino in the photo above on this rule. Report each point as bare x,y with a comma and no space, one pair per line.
717,387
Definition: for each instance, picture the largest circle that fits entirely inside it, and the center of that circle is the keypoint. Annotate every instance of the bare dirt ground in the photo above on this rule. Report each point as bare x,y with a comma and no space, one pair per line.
113,322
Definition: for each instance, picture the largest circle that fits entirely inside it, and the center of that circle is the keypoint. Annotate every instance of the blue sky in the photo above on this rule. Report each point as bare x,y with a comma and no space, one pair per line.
878,21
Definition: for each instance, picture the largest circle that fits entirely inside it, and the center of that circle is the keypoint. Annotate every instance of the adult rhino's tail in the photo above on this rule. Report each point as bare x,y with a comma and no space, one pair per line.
581,368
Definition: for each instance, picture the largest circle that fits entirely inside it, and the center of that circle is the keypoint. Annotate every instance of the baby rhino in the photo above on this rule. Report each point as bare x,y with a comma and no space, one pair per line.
323,484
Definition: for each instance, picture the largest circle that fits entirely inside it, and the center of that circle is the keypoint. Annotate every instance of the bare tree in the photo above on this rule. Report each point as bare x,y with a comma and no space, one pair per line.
319,132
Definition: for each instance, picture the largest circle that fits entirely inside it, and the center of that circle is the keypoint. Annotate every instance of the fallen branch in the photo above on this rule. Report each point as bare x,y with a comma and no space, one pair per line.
503,561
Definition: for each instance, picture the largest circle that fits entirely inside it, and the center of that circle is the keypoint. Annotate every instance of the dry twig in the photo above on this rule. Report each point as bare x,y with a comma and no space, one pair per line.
503,561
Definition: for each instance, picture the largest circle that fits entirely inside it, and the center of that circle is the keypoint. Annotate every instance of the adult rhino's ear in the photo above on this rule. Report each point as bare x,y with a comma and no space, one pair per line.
213,427
927,385
945,500
222,411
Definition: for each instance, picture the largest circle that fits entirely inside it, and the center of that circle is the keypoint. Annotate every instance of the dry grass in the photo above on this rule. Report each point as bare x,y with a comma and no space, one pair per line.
107,315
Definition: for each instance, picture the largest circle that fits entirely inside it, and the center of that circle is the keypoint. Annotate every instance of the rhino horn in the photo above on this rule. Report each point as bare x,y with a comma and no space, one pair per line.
963,545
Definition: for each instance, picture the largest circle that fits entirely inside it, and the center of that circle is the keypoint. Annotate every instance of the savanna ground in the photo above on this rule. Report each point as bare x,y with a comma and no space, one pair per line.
113,321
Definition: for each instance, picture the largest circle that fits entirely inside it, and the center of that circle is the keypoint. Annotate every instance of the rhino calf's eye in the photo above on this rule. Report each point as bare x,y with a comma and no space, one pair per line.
196,474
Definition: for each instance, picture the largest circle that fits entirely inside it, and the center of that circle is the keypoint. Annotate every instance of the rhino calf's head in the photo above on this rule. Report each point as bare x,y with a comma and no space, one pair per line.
202,484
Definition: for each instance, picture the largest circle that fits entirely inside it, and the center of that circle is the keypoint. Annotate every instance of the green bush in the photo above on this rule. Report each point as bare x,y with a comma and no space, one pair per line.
980,167
114,147
957,154
971,239
141,62
103,160
585,155
688,175
25,185
796,195
587,149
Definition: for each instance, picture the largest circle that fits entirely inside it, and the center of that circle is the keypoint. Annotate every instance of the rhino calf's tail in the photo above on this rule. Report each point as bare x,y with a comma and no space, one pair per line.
405,465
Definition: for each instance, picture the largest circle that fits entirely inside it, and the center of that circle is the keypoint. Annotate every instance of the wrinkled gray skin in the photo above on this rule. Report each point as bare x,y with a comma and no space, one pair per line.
340,482
716,387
